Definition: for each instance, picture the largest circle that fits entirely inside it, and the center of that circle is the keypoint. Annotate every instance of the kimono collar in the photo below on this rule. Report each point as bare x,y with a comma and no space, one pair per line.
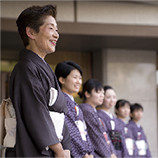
35,58
109,114
70,96
95,109
43,60
134,124
138,125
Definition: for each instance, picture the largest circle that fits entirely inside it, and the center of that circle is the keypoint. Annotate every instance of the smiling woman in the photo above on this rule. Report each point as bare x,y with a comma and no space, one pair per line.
69,75
34,90
44,41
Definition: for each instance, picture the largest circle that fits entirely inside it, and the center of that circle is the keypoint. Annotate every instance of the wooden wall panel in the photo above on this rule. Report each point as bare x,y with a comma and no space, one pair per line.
81,58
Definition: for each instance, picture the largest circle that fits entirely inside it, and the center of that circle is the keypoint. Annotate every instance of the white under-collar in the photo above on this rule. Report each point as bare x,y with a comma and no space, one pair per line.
71,97
95,109
138,125
43,59
109,114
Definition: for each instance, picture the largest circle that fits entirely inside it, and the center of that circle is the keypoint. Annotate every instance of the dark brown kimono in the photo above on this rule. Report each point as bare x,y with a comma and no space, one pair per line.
30,82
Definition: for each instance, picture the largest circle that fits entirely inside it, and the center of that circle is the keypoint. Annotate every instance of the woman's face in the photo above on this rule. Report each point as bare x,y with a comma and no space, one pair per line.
46,38
124,111
137,115
109,99
72,83
95,98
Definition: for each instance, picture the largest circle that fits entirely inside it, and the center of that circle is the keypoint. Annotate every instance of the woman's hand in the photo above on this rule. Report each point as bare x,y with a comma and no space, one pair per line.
67,152
58,151
88,156
113,156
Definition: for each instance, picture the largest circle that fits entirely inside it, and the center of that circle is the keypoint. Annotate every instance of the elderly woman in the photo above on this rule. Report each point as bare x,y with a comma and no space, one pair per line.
34,90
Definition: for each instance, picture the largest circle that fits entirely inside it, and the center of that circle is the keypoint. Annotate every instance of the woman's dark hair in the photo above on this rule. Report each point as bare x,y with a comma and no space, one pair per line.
121,103
63,69
33,17
107,87
89,85
136,106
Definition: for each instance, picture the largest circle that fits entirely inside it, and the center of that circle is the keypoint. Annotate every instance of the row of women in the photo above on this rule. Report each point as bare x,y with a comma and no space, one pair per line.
93,129
49,121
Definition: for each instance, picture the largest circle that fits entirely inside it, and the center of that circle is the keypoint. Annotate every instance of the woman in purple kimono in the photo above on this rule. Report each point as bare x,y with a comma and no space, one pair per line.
115,131
69,75
138,133
122,110
93,95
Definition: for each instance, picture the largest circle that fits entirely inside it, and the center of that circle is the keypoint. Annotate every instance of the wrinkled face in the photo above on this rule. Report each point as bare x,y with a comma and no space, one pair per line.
46,38
72,83
124,111
137,115
109,99
96,98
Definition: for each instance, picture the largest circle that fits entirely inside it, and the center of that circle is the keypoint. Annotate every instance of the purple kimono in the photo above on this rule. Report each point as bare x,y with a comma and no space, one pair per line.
128,135
116,134
97,132
139,134
80,141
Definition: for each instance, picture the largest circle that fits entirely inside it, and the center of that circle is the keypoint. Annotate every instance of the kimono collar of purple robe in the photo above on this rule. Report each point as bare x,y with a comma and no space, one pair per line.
109,114
135,124
70,96
60,103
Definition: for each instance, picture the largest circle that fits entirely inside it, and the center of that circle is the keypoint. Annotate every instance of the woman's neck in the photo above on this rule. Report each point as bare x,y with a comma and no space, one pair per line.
123,119
90,103
135,121
105,109
66,91
33,49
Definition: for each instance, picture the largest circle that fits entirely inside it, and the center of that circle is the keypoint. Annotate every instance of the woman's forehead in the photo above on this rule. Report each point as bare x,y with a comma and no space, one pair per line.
49,20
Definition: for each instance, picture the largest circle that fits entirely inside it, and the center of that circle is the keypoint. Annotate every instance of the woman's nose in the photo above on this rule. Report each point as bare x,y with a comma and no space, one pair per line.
56,34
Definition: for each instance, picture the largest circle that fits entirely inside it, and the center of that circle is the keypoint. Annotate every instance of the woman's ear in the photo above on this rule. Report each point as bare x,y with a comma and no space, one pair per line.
87,95
61,80
30,32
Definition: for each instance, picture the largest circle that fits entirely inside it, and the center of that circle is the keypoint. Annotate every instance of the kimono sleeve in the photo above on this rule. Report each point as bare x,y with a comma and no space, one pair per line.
66,142
148,154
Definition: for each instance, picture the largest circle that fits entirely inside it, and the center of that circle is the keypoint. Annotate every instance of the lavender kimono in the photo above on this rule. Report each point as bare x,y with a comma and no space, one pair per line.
80,141
140,139
129,139
97,132
116,134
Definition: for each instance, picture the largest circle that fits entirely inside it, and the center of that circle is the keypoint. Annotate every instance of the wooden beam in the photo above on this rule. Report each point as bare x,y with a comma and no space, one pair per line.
151,2
107,29
93,29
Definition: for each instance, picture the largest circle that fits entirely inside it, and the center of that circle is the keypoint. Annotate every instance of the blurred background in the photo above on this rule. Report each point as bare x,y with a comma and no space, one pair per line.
115,42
